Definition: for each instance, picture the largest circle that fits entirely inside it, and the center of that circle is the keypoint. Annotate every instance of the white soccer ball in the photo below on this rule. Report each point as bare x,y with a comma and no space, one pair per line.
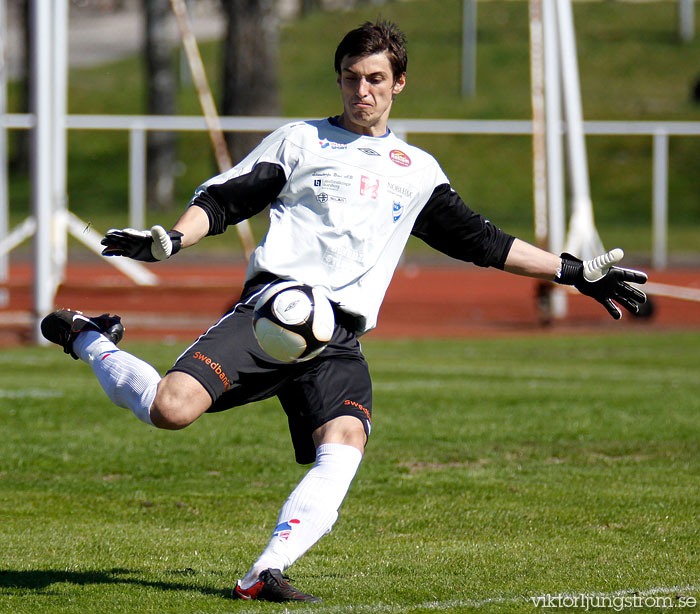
293,322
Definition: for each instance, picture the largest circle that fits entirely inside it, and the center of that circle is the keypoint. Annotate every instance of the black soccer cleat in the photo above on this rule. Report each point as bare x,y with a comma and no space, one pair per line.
63,326
272,586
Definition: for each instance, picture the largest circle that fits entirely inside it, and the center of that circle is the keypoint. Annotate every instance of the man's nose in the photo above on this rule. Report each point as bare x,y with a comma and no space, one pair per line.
362,87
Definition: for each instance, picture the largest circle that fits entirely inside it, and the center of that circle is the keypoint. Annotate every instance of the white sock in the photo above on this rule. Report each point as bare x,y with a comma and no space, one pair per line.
128,381
311,509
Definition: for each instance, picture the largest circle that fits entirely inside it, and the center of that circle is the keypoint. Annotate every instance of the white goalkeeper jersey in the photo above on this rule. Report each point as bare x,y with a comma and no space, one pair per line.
343,206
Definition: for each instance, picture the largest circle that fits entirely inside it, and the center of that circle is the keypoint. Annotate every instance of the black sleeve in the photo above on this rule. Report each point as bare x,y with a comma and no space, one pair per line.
241,197
449,226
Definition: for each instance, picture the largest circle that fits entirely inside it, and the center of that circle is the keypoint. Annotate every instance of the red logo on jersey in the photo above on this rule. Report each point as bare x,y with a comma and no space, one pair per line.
369,187
399,157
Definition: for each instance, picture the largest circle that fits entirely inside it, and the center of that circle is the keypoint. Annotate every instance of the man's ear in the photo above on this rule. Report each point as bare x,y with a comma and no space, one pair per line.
399,84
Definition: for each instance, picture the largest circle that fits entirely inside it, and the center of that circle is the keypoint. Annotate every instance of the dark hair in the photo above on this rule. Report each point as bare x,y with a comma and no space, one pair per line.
371,38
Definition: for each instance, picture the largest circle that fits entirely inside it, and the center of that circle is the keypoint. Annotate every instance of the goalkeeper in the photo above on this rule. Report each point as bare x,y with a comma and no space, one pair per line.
345,193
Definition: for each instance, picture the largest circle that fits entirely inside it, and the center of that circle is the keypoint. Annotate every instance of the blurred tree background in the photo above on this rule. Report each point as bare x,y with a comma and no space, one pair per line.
275,57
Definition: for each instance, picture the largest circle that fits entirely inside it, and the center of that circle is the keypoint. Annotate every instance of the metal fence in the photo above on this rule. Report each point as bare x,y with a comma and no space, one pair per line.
138,125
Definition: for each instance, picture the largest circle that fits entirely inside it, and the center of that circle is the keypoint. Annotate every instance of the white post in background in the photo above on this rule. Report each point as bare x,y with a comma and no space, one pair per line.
686,20
51,221
660,201
137,178
468,48
539,137
4,192
583,240
41,164
556,202
60,150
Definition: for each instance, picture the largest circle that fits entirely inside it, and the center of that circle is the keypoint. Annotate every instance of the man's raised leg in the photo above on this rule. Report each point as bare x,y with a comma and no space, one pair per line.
180,400
171,402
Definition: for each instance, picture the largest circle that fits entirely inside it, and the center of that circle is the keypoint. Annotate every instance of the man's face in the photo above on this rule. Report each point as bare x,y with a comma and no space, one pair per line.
368,87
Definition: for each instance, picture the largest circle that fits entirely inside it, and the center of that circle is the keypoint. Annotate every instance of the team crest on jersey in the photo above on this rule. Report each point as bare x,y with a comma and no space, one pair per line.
325,144
369,187
399,157
397,211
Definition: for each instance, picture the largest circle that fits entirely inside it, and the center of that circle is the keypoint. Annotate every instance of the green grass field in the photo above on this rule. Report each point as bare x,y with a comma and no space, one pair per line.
498,471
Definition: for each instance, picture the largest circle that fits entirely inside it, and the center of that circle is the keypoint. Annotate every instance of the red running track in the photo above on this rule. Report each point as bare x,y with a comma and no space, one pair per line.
422,301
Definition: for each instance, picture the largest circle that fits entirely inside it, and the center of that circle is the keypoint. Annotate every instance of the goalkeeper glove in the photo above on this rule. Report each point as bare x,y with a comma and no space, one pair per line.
145,245
599,279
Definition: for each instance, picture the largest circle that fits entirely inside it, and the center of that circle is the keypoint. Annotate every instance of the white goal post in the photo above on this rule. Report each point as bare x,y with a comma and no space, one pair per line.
51,221
554,67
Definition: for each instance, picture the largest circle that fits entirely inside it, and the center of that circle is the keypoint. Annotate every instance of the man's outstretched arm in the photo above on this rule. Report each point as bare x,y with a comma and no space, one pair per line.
222,201
598,278
526,259
157,243
193,224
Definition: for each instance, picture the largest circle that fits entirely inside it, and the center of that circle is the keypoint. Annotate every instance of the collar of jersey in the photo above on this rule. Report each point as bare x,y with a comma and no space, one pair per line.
334,121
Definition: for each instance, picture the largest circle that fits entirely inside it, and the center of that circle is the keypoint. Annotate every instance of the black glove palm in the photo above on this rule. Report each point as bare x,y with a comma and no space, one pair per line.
605,285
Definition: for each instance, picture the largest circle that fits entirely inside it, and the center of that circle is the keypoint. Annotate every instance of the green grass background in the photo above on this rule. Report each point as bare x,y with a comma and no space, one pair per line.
497,470
632,68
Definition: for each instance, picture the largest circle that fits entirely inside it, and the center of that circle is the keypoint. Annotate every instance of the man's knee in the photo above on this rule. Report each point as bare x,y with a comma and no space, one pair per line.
180,400
347,430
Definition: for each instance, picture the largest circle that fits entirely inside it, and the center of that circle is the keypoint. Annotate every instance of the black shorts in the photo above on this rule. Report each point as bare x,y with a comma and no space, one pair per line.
234,370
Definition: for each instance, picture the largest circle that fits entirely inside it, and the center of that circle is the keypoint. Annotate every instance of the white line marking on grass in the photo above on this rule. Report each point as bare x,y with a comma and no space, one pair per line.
451,604
404,385
29,394
33,360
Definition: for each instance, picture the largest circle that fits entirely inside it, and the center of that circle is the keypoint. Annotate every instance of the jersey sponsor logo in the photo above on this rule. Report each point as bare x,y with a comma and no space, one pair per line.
368,151
397,210
369,187
325,144
215,367
284,529
336,183
359,406
399,190
399,157
322,197
342,256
